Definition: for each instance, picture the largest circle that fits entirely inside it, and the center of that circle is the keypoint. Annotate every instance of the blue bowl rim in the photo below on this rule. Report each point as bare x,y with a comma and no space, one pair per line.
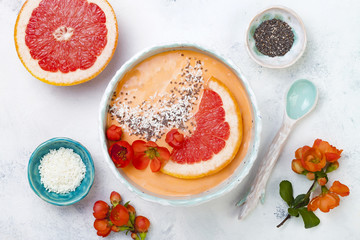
253,147
92,169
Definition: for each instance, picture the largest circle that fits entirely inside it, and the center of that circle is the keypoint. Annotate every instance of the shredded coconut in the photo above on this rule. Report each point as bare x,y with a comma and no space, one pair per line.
62,170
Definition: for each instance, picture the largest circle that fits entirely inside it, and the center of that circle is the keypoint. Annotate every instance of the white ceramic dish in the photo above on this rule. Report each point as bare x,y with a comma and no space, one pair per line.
215,192
298,47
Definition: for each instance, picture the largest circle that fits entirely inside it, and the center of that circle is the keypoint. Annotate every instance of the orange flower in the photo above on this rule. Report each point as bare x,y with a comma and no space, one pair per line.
300,151
325,202
297,167
313,160
340,189
329,199
331,153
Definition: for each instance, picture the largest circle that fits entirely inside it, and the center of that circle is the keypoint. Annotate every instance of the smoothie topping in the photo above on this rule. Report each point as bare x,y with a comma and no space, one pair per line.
149,119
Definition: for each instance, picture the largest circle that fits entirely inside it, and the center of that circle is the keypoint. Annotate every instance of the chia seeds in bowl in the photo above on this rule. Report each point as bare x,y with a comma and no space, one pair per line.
276,37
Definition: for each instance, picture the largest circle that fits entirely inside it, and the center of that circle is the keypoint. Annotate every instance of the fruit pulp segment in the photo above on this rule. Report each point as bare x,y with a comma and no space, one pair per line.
210,133
66,35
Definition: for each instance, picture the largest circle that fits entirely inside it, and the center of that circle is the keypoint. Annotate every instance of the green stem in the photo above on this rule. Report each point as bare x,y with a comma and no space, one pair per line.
307,195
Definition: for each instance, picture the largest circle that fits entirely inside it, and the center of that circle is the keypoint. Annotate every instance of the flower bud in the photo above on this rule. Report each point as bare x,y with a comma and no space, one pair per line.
142,224
115,198
101,209
310,175
134,236
322,181
332,167
132,213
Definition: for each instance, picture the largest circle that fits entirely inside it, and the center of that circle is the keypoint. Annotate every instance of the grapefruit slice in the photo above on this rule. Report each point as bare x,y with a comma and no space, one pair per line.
65,42
216,139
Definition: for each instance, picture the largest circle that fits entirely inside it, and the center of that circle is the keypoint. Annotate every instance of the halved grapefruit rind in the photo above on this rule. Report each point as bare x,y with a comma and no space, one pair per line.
227,154
71,78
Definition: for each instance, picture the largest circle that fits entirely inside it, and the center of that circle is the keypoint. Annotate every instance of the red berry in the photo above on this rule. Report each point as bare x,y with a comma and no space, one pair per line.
119,215
115,198
142,224
114,133
101,209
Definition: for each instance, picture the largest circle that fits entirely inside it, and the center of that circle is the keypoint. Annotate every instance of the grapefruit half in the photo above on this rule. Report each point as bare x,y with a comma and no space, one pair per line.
65,42
216,139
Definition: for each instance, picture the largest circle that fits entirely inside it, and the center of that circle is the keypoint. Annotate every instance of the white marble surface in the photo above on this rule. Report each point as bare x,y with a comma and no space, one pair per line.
32,112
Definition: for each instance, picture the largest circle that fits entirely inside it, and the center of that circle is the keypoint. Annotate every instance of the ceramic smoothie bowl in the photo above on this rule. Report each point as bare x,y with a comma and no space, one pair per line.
147,74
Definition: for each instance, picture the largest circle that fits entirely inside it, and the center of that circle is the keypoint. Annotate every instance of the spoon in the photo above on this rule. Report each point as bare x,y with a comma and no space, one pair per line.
301,99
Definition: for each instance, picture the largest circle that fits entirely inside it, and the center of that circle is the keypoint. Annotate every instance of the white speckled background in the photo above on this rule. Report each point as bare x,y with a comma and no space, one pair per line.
32,112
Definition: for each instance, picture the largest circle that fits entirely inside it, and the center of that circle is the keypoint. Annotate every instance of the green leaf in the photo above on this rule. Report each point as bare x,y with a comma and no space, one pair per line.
320,174
293,212
300,201
126,204
309,218
286,192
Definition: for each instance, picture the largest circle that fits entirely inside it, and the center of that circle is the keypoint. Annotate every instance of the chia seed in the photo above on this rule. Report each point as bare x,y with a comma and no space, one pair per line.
274,38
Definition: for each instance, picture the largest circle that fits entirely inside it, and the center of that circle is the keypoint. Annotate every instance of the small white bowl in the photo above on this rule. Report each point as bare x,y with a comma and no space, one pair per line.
298,47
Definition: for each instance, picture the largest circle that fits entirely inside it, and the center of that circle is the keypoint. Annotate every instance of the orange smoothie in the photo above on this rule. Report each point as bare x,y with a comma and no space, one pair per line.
151,86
